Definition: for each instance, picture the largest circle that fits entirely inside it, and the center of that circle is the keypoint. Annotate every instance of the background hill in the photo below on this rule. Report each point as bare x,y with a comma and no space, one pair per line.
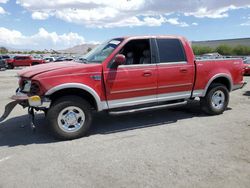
229,42
79,49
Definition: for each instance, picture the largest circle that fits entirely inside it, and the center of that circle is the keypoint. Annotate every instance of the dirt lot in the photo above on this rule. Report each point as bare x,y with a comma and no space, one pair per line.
166,148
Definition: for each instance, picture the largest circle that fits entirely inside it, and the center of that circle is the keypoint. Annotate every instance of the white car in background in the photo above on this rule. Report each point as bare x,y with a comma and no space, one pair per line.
49,59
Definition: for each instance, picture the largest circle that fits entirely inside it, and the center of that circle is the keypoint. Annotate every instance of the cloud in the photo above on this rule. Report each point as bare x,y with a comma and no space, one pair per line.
4,1
175,21
217,13
2,11
40,15
120,13
41,40
247,21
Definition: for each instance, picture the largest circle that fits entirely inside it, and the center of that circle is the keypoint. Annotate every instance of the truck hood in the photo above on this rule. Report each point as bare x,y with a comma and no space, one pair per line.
50,67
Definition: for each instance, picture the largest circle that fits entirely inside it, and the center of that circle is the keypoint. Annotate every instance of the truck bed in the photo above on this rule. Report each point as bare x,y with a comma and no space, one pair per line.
208,69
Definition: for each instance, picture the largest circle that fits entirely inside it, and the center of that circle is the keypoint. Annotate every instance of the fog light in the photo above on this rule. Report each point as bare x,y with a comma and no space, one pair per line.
35,101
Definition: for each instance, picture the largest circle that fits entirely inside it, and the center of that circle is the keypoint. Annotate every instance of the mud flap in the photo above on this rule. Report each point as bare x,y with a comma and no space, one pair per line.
8,108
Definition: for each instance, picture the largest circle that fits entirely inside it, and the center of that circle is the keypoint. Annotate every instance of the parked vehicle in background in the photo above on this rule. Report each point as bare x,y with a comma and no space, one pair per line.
18,61
2,63
247,66
125,75
49,59
212,56
60,59
68,59
3,59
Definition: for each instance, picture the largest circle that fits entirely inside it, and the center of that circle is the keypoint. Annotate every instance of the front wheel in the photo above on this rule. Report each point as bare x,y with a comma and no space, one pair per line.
10,66
70,117
34,63
216,100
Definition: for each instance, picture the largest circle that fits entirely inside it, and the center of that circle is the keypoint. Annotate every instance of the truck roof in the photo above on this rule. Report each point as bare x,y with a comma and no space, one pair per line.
152,36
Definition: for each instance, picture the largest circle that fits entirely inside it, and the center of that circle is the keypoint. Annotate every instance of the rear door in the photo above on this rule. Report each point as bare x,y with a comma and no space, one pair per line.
175,73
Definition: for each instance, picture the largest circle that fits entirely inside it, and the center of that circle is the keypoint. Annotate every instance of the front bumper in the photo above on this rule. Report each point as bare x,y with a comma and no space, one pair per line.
32,102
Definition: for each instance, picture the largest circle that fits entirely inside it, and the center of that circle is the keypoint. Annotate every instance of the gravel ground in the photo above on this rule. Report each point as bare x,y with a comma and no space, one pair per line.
165,148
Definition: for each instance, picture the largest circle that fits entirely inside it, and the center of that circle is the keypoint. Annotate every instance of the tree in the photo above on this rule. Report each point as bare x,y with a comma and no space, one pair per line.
241,50
200,50
3,50
224,49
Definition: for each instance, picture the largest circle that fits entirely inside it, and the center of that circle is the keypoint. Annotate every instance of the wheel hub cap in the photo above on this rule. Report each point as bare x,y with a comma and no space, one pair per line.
71,119
218,99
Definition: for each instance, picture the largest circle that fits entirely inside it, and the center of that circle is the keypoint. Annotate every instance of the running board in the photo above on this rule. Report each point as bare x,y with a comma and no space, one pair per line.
177,104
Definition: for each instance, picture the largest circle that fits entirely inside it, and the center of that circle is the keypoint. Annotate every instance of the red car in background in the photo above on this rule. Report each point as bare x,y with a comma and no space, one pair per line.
18,61
247,66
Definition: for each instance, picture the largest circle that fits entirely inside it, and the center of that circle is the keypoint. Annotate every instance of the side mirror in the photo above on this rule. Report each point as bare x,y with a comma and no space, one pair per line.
120,59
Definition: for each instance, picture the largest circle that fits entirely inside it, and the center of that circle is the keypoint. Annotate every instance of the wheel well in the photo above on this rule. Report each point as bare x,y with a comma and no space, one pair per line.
224,81
74,91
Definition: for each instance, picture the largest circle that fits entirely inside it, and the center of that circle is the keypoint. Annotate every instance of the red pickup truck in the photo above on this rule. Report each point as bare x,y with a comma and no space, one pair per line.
18,61
124,75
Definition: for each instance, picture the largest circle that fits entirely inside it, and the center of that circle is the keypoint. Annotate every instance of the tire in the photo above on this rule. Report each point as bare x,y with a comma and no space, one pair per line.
216,100
69,117
34,63
10,66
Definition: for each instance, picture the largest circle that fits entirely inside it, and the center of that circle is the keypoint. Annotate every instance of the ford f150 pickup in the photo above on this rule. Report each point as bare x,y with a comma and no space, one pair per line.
124,75
18,61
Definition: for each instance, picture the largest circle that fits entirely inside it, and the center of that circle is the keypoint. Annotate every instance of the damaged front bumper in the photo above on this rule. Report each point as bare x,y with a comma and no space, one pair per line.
31,102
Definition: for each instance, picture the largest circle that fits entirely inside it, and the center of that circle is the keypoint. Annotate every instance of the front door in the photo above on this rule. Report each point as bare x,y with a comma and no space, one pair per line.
18,61
135,82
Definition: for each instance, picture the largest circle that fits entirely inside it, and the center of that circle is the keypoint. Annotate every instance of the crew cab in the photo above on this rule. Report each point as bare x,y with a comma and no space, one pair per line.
18,61
125,75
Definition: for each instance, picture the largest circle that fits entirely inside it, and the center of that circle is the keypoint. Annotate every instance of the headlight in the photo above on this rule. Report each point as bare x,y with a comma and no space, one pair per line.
26,85
35,88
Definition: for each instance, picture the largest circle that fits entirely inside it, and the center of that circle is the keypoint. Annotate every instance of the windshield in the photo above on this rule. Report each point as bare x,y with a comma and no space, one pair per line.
101,52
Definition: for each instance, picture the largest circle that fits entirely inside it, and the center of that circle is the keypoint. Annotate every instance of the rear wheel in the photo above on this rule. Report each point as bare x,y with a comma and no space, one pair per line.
70,117
34,63
10,66
216,100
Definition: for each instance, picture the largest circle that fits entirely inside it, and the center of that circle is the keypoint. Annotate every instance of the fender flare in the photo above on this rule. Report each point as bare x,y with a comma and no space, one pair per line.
228,77
101,105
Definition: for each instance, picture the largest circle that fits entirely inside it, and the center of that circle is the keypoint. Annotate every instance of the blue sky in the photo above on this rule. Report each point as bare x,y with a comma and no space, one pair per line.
60,24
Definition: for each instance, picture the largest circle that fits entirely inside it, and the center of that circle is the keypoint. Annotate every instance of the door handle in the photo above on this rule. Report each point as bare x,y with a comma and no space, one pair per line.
183,70
147,74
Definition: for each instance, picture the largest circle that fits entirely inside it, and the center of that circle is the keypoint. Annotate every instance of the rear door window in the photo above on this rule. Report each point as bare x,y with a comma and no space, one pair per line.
170,50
